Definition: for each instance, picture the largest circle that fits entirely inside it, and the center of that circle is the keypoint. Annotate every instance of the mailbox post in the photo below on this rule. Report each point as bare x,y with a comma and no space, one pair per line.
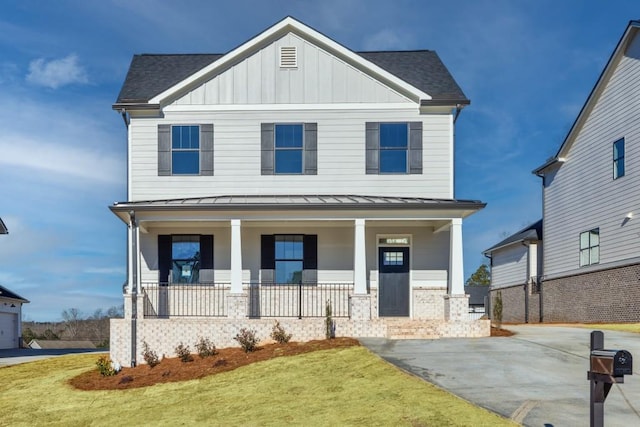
606,367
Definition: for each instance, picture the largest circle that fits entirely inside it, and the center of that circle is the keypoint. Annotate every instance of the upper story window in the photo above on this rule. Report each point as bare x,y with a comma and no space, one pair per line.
185,149
618,158
289,145
393,148
590,247
289,149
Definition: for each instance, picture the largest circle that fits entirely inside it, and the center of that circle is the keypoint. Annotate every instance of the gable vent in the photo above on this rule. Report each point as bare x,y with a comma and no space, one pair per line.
288,57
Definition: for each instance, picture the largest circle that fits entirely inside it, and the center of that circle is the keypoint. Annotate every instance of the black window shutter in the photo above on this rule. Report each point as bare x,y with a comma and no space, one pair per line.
310,148
415,147
372,137
164,258
206,149
268,252
206,252
310,251
267,148
164,150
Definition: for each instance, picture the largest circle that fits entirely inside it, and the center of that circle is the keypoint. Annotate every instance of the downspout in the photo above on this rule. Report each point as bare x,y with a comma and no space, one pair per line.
487,308
134,287
540,273
526,286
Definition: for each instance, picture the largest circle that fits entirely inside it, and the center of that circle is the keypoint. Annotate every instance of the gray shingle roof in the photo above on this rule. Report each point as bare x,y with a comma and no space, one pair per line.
6,293
150,74
3,228
531,232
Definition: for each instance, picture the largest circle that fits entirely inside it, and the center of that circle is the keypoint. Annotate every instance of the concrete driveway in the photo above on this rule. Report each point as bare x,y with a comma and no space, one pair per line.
537,377
23,355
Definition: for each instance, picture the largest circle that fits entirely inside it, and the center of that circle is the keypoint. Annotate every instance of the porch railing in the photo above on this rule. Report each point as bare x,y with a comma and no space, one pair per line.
184,300
301,300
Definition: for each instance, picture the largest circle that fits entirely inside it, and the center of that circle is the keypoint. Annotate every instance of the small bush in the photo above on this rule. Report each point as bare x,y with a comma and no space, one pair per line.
205,348
184,353
150,356
106,367
279,334
247,339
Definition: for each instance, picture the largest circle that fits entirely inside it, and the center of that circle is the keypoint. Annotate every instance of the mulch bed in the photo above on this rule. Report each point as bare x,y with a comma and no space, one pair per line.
174,370
499,332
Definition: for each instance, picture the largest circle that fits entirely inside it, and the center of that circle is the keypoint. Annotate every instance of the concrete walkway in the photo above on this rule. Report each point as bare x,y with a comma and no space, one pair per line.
537,377
23,355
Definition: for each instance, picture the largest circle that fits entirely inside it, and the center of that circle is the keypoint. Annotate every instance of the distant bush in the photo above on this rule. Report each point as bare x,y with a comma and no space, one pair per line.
150,356
279,334
205,348
184,353
106,367
247,339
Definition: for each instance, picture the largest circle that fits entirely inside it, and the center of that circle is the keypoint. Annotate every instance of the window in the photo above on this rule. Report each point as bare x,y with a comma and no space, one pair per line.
618,158
393,258
185,262
288,149
590,247
185,149
393,148
289,259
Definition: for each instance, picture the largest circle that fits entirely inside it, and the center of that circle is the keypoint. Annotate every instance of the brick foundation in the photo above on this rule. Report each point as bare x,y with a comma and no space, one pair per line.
515,300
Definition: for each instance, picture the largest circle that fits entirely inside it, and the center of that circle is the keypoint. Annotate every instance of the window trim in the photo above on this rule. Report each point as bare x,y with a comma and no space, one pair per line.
589,248
389,149
186,150
165,149
300,149
617,161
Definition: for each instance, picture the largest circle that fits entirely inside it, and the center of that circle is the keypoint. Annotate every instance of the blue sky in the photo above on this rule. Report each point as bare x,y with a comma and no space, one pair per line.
526,65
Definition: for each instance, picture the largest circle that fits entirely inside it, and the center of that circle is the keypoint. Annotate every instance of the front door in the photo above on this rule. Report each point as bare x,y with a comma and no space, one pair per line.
393,273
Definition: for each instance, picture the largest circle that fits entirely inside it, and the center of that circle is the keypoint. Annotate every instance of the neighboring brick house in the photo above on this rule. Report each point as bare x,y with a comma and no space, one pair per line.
286,173
516,267
591,203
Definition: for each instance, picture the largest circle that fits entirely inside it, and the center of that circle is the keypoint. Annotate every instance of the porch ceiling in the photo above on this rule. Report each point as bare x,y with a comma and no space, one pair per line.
304,206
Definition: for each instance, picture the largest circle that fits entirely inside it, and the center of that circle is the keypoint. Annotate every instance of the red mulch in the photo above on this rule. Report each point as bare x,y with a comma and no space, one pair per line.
174,370
499,332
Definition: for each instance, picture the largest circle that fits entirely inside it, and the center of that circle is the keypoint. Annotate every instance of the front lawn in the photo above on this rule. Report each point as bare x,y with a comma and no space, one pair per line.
621,327
349,386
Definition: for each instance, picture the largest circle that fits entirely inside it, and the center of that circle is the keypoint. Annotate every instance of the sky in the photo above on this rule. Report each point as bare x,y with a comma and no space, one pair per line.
527,66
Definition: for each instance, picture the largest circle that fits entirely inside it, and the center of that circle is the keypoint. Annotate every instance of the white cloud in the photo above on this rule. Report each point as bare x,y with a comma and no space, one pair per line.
387,39
57,72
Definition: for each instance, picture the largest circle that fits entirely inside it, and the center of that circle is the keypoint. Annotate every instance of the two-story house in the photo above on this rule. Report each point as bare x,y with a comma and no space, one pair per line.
591,202
289,174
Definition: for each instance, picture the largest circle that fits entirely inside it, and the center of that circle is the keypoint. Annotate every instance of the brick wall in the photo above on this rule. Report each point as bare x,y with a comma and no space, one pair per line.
603,296
514,301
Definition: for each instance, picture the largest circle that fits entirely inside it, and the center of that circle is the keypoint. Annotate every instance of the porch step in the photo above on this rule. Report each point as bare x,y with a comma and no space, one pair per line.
399,330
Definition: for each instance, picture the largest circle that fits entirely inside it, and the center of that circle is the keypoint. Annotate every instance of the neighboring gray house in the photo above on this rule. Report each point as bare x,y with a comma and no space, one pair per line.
516,267
591,191
286,173
10,318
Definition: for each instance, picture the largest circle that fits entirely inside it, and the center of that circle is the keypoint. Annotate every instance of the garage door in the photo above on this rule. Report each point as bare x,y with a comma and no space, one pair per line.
8,330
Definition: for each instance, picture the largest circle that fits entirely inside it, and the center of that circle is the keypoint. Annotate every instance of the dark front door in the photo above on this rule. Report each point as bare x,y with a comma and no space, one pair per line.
393,266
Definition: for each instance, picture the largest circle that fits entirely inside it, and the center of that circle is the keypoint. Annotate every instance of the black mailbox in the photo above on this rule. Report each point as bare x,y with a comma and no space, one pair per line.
615,363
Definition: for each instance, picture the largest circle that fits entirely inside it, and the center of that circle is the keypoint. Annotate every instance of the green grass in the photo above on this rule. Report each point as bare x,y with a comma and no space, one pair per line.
329,388
621,327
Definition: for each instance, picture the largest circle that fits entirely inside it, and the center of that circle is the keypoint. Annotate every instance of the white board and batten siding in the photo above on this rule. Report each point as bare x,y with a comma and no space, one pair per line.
582,194
509,266
322,89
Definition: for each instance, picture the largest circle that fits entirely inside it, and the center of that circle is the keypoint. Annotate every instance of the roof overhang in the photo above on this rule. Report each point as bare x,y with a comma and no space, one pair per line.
3,228
289,24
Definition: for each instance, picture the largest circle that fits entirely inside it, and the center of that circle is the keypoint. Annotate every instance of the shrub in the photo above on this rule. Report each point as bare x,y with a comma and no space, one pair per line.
205,348
247,339
106,367
328,322
150,356
497,309
184,353
279,334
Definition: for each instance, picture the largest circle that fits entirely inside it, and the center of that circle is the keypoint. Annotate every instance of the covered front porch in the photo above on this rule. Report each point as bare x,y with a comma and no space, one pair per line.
373,262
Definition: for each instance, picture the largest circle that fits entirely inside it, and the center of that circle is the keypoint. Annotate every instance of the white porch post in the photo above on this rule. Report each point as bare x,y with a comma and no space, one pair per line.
456,264
359,259
236,257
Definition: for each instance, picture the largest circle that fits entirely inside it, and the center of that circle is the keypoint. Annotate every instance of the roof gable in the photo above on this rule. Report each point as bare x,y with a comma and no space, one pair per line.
6,293
530,233
627,38
420,75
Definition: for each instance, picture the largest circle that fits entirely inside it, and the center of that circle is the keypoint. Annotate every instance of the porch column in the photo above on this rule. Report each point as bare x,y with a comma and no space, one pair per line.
359,259
236,257
456,279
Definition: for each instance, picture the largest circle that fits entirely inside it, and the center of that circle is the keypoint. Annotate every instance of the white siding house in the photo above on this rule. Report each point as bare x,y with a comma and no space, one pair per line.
591,191
284,175
10,312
